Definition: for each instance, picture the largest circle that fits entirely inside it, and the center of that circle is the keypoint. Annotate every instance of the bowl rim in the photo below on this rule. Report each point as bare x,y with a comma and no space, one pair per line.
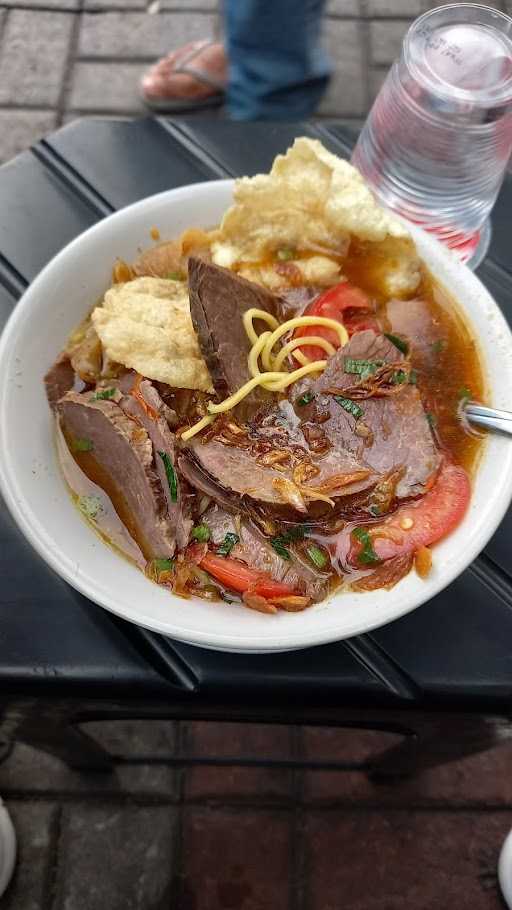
279,640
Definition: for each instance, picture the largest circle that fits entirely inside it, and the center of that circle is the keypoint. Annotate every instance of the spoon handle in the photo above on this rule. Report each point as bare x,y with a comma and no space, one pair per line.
490,418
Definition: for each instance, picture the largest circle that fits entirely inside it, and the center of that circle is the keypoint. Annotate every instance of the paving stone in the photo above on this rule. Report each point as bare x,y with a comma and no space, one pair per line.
403,860
115,858
3,14
47,4
34,51
346,94
343,8
131,5
33,823
134,737
195,5
19,129
386,40
32,771
479,780
235,860
409,8
107,87
139,34
241,740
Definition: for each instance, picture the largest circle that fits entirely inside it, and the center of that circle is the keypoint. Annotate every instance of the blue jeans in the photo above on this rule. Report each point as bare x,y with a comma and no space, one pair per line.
278,70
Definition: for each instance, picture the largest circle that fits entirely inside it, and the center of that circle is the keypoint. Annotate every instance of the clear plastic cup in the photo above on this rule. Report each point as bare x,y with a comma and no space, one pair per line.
436,143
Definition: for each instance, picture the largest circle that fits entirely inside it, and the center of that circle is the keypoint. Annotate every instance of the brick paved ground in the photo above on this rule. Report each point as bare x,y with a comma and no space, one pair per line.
61,59
151,837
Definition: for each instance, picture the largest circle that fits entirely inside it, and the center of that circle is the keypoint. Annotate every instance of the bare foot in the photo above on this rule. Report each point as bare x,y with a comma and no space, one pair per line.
193,75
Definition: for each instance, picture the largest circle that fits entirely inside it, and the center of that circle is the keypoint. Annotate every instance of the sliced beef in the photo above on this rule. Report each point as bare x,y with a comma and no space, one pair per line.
149,411
59,379
413,320
218,301
400,437
120,456
256,551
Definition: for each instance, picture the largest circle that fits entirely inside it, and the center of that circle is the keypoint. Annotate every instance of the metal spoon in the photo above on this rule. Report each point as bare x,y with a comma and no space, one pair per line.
490,418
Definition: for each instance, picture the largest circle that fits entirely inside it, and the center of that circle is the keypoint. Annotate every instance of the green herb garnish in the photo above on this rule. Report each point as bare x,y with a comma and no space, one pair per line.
399,377
90,506
438,346
174,276
81,445
432,419
230,540
104,394
317,556
201,533
278,544
367,556
464,394
364,368
285,254
413,377
307,398
398,342
350,406
163,565
295,533
172,480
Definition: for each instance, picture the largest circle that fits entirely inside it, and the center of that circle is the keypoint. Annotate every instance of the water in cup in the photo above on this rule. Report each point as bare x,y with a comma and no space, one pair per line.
437,140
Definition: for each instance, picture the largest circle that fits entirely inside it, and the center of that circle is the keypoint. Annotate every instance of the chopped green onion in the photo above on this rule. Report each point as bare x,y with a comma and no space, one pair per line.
363,368
201,533
90,506
278,544
432,419
104,394
374,510
230,540
413,377
175,276
399,377
305,399
398,342
350,406
172,480
317,556
438,346
81,445
367,556
285,254
163,565
464,393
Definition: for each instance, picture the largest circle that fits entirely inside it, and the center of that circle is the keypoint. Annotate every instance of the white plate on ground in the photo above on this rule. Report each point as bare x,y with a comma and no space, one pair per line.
36,495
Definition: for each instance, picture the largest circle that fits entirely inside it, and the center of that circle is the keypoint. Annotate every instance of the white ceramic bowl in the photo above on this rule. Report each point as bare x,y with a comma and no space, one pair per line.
35,493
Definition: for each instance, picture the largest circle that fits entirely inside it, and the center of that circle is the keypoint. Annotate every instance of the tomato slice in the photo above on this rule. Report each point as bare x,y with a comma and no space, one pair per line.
433,517
336,303
239,577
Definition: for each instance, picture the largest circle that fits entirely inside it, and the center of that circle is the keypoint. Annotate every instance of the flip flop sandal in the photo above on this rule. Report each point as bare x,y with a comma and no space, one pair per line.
183,67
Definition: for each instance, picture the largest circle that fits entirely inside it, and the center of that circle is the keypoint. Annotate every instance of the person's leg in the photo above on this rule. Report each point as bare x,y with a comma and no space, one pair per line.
277,67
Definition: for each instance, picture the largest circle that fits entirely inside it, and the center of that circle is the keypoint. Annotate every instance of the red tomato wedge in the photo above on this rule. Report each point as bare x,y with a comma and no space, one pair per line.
239,577
433,517
337,303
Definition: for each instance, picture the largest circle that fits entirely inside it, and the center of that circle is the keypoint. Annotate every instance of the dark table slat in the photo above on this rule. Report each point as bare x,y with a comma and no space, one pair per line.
457,645
38,215
7,304
127,161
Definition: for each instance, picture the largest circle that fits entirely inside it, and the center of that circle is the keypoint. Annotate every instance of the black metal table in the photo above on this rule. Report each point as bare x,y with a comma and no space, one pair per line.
443,673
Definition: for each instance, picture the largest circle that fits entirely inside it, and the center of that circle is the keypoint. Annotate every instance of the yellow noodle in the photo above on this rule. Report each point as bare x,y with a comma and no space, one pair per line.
252,314
255,352
295,323
200,425
315,340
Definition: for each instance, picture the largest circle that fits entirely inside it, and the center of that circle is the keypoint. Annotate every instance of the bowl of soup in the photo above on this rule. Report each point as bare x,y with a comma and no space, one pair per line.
251,433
